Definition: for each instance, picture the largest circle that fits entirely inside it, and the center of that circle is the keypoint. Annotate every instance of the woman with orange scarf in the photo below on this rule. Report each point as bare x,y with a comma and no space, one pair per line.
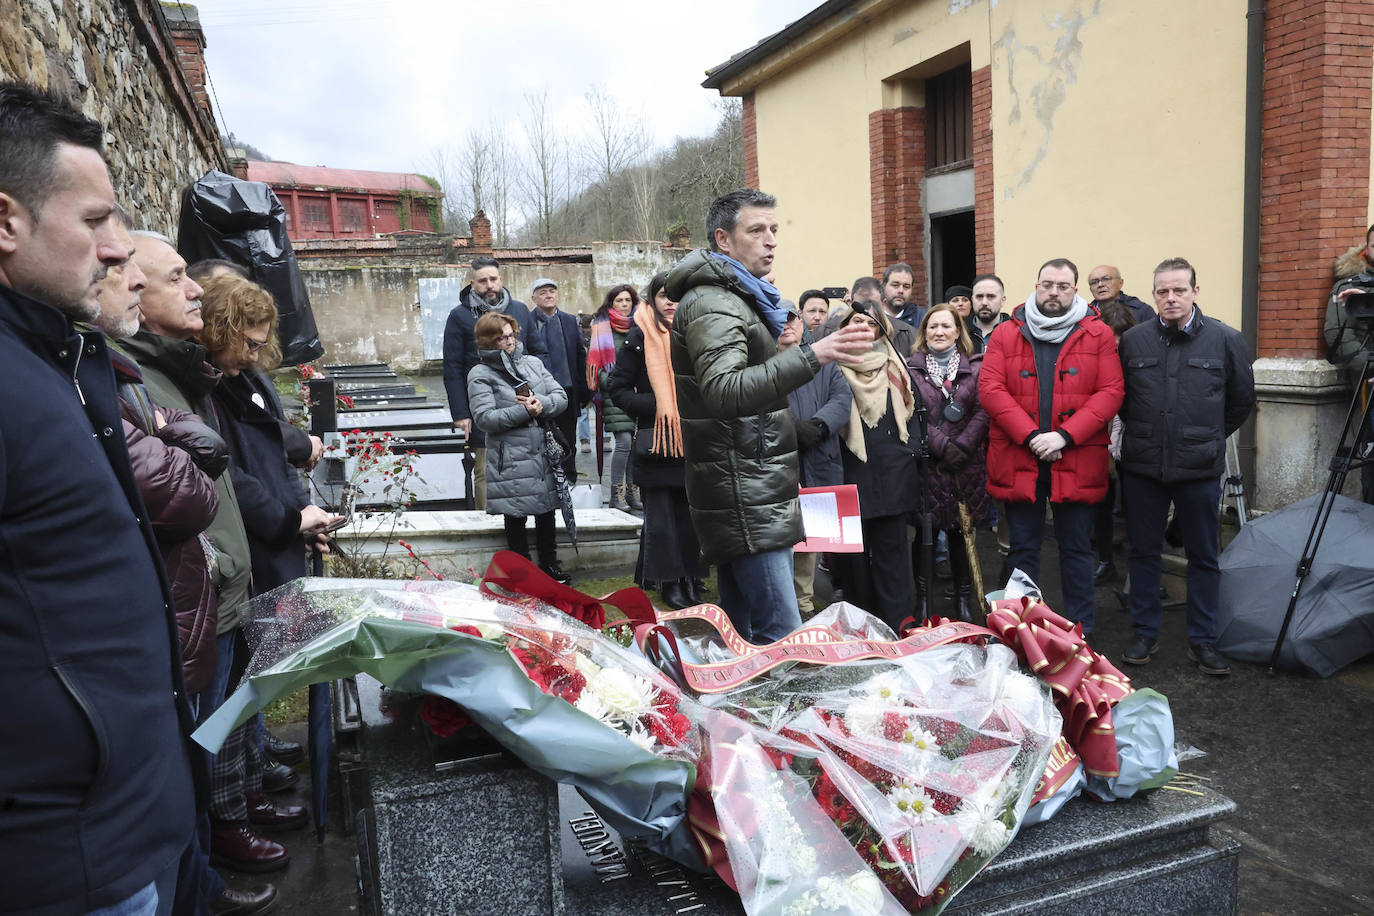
642,384
610,325
878,449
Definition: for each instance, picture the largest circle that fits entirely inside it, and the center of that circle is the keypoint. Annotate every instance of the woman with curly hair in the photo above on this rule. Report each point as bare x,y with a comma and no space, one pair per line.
610,325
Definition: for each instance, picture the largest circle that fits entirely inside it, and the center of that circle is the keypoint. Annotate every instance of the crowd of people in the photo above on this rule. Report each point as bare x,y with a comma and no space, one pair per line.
151,488
150,484
721,398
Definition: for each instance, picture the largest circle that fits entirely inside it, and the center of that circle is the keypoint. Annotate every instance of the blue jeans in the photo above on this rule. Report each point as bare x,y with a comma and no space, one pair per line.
756,593
1073,529
584,425
1195,506
142,903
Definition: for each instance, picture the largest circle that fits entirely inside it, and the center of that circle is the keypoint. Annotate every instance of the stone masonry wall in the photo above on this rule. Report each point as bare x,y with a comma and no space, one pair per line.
112,58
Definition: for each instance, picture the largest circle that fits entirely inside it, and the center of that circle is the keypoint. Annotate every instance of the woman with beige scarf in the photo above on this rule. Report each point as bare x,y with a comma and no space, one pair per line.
878,448
642,385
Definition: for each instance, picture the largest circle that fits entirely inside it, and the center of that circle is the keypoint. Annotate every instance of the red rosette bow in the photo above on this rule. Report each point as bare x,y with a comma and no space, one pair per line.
1086,686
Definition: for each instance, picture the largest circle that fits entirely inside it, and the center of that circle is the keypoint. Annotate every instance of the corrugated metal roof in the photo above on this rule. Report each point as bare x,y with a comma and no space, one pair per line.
288,174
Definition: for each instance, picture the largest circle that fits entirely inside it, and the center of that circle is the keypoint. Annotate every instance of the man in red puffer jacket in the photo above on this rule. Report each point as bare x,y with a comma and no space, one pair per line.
1051,383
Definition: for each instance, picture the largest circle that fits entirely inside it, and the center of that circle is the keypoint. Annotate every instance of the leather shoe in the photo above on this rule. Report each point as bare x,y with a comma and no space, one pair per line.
287,752
1209,660
267,816
1140,650
232,902
555,572
277,777
233,844
674,595
1104,574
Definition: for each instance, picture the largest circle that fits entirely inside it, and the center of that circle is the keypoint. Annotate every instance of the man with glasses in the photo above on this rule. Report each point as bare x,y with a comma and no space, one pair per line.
1104,283
1051,383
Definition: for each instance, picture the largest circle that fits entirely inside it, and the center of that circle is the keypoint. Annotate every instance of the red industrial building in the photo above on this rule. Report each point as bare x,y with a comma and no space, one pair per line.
323,203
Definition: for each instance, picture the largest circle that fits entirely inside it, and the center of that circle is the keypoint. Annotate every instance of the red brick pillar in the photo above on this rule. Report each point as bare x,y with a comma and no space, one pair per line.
480,227
896,166
751,143
983,242
1314,176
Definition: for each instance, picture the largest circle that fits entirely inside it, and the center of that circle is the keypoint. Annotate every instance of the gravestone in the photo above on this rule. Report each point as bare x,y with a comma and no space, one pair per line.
459,829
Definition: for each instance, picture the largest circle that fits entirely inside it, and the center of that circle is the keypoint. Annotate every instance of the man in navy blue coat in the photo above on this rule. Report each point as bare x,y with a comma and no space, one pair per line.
566,360
97,793
484,293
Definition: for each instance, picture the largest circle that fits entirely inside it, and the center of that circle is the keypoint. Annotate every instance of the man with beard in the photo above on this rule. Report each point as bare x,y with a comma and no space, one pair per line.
898,286
484,293
98,805
989,296
1051,383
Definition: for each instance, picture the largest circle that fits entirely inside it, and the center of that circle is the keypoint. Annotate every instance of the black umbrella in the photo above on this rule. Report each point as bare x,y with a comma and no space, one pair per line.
1333,619
557,452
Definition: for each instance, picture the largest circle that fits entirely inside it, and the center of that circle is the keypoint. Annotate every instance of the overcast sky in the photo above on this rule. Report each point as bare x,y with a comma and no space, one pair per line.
378,84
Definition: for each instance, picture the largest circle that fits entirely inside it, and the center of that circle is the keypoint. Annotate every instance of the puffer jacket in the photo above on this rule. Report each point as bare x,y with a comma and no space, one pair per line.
519,477
175,465
958,448
176,374
1186,391
738,434
629,384
460,347
1087,393
1345,339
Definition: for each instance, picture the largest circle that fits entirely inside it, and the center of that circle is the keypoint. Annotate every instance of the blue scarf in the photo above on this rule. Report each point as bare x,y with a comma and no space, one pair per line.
766,295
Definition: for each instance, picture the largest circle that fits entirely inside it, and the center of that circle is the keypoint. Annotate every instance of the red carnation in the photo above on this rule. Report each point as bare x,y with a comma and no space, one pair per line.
443,716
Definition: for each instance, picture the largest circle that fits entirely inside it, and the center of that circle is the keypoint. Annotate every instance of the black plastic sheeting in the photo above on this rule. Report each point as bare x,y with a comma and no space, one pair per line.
244,222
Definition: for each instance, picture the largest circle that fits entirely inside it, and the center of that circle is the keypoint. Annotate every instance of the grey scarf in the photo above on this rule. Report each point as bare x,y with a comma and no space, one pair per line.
480,306
1054,330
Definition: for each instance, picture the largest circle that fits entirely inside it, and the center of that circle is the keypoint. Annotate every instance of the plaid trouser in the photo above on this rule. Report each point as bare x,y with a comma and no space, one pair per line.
237,772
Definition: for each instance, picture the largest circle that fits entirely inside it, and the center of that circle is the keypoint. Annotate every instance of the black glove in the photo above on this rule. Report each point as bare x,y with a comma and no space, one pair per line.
955,456
809,434
203,444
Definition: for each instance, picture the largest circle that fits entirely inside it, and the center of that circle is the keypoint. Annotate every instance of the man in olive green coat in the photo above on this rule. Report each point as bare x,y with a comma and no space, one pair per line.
738,436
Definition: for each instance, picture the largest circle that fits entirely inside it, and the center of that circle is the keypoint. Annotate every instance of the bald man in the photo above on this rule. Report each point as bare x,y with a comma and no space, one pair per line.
1104,282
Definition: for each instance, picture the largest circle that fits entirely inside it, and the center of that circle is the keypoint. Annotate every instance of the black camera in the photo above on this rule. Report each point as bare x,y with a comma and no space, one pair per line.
1360,306
835,292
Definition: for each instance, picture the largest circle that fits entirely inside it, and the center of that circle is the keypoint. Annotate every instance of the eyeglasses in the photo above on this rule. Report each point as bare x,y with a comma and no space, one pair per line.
510,336
1046,285
1094,281
255,345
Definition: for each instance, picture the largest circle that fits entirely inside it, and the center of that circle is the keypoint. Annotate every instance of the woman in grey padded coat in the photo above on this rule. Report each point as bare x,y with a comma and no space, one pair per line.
520,479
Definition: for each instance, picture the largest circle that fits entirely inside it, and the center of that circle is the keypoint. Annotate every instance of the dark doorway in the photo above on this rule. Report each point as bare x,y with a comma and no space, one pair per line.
951,252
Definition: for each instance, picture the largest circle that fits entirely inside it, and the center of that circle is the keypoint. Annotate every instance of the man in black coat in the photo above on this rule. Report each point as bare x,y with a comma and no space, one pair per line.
484,293
566,360
97,790
1189,385
1104,282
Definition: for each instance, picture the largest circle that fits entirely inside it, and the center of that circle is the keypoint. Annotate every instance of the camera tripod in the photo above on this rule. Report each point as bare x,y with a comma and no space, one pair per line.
1346,458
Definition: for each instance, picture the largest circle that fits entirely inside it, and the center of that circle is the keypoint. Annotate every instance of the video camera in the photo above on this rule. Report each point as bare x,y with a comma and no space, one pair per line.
1360,306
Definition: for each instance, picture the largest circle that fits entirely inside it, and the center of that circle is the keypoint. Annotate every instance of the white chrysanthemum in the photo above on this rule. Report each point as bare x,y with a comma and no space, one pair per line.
886,688
585,666
985,831
628,696
1022,694
490,630
801,856
865,719
920,739
865,893
641,737
912,804
593,706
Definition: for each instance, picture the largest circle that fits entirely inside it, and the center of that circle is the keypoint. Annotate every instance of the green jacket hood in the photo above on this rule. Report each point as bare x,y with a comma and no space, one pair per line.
700,269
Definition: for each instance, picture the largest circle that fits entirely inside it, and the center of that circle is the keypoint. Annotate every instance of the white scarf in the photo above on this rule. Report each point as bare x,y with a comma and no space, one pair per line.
1054,330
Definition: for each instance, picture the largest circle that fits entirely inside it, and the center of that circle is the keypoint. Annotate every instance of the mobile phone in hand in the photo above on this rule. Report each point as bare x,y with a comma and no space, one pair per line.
522,390
337,524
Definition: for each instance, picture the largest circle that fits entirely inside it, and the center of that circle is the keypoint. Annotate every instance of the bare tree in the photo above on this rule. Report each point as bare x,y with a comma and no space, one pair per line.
617,142
541,179
645,184
501,177
443,166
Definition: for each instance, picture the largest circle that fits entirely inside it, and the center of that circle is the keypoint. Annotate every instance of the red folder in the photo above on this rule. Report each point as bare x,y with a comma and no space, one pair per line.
831,516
